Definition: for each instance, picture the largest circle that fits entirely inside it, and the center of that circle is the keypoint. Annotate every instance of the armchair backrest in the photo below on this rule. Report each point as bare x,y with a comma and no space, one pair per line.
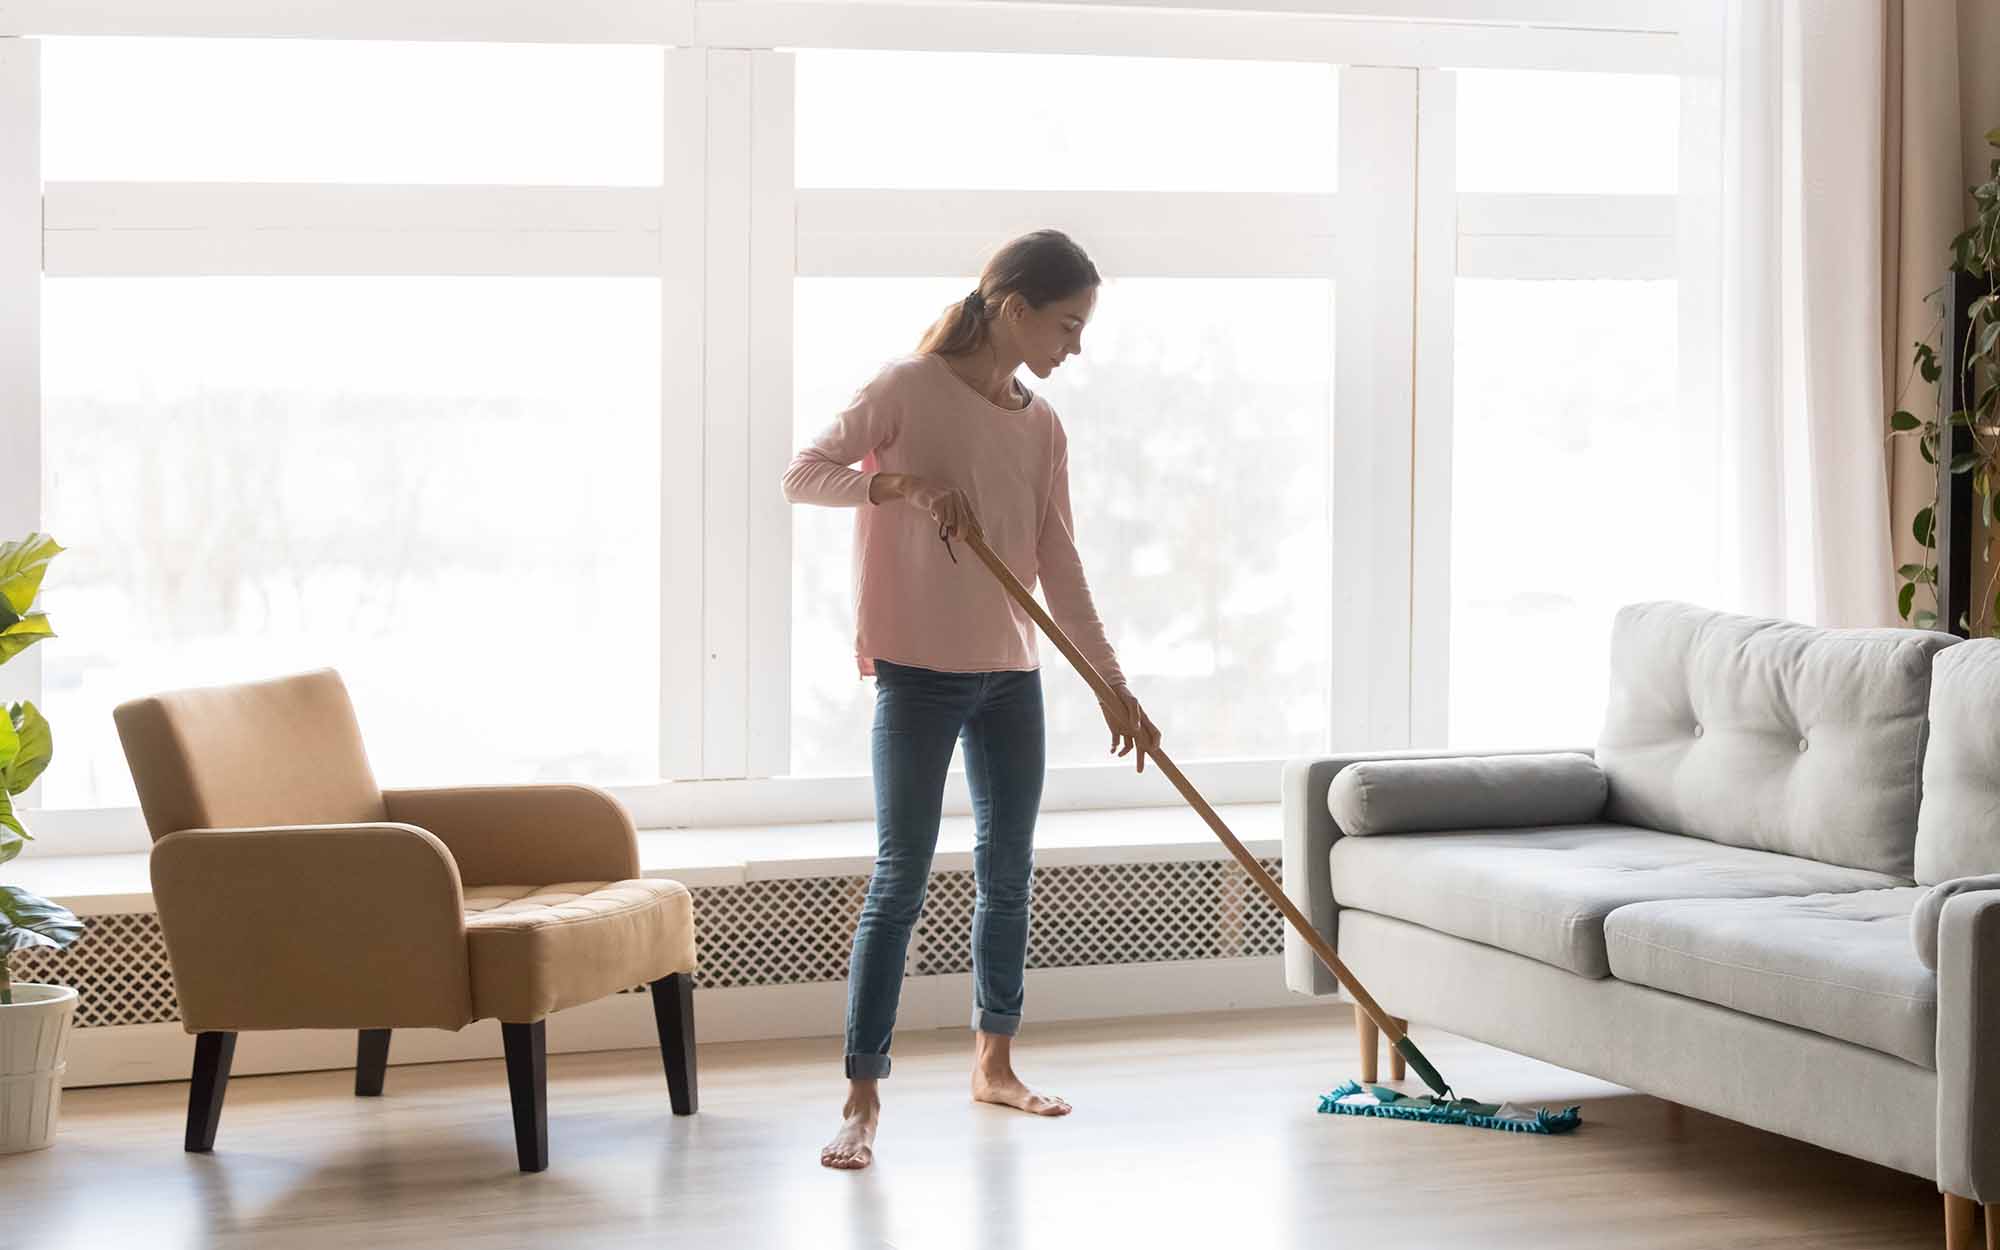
286,751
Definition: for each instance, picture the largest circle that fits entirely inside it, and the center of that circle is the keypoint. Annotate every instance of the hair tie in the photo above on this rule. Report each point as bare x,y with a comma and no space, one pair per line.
975,303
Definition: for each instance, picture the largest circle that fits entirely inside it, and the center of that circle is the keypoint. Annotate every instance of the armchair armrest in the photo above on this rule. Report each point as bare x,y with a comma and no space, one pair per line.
1310,831
525,835
313,927
1968,1046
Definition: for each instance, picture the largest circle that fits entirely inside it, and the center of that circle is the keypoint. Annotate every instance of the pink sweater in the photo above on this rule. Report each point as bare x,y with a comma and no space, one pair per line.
914,606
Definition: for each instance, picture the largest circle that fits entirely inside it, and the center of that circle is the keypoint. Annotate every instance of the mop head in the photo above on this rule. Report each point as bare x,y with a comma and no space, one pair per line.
1376,1100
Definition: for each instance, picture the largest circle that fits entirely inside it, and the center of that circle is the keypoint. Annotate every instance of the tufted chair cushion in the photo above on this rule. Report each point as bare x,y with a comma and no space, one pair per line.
1768,734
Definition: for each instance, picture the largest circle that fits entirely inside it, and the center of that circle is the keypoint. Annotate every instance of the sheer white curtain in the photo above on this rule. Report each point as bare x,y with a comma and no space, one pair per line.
1799,349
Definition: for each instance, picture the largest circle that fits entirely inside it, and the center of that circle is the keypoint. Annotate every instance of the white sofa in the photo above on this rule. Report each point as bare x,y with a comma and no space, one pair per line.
1775,890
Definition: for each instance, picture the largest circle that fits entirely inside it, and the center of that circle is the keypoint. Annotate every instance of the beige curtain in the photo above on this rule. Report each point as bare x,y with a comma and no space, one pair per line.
1941,95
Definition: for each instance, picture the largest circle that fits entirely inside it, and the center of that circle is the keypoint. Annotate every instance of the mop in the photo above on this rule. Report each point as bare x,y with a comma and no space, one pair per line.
1440,1106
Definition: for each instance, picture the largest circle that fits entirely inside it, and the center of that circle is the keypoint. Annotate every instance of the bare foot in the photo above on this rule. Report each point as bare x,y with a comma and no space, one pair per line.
853,1147
1006,1090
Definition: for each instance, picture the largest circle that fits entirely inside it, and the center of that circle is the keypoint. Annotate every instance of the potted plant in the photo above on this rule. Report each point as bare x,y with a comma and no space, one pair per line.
34,1019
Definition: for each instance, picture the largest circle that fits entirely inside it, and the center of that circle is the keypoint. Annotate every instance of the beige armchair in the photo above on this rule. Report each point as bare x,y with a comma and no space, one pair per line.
296,894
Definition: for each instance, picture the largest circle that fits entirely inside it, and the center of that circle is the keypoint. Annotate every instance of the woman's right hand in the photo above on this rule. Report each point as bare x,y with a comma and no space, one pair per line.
946,505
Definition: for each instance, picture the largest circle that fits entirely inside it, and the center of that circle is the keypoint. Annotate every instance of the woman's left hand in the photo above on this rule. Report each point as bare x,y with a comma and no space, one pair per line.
1130,726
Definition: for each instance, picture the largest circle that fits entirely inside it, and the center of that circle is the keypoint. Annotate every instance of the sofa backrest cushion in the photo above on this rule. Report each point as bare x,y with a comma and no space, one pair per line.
1769,734
1958,829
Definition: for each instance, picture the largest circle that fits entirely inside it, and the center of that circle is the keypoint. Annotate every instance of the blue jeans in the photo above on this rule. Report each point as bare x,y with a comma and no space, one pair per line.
919,715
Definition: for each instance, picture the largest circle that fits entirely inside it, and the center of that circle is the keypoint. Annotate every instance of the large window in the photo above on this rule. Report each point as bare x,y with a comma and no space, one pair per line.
1578,483
468,366
446,488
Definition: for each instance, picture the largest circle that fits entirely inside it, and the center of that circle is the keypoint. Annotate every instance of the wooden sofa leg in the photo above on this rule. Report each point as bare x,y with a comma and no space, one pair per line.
1371,1045
210,1081
1993,1226
673,1015
1958,1222
371,1062
1398,1066
527,1047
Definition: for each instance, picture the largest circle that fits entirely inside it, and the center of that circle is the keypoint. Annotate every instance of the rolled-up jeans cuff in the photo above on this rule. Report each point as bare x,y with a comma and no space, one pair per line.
867,1067
995,1022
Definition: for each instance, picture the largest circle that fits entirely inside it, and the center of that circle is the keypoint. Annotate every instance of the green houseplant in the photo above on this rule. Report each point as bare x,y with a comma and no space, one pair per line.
34,1019
1975,253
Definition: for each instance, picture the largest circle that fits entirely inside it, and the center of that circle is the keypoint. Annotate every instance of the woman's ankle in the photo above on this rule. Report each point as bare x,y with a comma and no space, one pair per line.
863,1095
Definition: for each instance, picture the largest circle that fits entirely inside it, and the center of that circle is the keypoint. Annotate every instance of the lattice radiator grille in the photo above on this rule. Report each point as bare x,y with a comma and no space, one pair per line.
799,930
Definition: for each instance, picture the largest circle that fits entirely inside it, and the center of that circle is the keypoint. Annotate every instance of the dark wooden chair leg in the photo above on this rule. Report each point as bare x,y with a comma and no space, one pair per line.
673,1013
527,1048
210,1081
371,1062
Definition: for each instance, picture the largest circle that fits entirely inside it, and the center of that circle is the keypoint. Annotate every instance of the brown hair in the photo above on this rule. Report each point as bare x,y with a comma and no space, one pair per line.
1041,267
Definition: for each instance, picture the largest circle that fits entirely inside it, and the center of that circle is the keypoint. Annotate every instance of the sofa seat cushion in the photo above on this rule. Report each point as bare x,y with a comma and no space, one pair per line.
539,949
1838,964
1544,893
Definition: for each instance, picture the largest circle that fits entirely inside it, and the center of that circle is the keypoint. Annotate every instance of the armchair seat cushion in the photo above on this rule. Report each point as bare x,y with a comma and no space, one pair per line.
536,949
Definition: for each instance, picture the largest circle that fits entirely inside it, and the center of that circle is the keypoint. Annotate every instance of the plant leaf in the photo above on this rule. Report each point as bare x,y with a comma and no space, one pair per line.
36,747
11,844
22,912
10,824
1903,421
1923,445
21,567
23,634
1925,619
1905,599
1924,527
1964,461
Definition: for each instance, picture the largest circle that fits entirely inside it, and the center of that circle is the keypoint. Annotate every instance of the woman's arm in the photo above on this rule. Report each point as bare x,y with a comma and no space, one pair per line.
1061,571
820,473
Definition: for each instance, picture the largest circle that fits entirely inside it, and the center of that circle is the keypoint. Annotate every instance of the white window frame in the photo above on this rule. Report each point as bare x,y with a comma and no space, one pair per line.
727,231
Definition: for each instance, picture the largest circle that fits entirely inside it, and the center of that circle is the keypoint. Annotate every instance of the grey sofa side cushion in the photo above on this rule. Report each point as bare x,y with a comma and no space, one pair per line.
1489,792
1930,909
1769,734
1958,829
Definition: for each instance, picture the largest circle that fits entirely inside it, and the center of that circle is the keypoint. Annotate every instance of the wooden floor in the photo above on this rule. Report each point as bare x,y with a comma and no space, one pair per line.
1188,1131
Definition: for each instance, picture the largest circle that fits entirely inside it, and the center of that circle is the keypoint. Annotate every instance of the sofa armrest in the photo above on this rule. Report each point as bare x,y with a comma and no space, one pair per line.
1309,834
1968,1046
1928,914
526,834
313,927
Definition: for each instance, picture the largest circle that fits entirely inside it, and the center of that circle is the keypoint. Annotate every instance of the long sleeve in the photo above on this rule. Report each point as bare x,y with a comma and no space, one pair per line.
821,474
1061,573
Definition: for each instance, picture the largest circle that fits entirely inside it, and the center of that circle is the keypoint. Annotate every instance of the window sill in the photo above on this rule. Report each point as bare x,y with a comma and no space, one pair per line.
120,883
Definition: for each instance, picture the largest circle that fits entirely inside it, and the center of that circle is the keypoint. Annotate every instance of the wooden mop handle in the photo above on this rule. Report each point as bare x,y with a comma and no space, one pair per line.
1106,695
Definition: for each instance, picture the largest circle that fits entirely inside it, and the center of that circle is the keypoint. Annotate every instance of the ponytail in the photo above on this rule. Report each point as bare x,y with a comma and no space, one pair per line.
1041,267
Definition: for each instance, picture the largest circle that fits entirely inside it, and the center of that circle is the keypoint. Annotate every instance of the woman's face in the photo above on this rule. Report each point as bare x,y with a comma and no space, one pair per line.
1046,336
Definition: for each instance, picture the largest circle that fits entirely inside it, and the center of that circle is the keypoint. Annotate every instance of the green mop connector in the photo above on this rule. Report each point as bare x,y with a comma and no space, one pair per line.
1422,1067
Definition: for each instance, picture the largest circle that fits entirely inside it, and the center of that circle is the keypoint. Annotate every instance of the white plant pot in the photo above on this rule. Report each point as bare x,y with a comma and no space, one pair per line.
34,1030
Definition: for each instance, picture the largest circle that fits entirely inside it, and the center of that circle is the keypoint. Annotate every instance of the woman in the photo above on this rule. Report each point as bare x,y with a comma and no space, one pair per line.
951,443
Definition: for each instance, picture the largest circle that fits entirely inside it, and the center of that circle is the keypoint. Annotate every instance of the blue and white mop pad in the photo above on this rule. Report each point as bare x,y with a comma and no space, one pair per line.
1354,1098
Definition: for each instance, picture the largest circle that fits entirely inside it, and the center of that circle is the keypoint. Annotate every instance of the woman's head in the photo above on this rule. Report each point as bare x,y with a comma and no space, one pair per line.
1033,300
